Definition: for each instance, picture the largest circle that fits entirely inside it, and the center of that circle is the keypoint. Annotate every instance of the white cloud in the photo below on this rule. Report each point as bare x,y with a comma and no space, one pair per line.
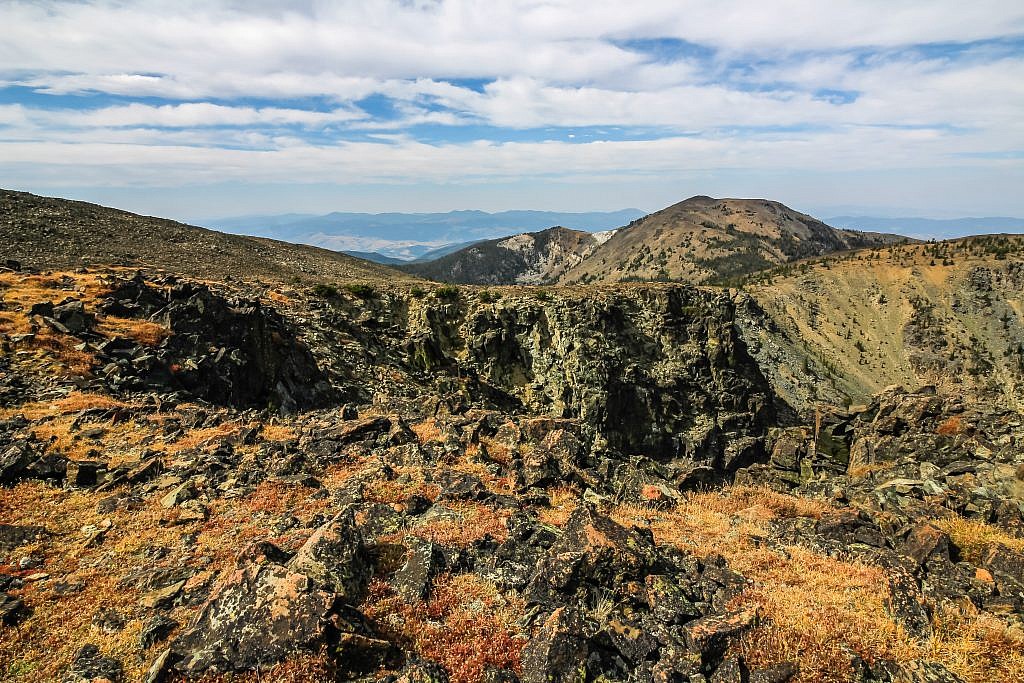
539,63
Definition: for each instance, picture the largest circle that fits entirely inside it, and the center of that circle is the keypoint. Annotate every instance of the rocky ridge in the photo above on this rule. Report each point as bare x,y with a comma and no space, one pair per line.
493,485
845,327
392,481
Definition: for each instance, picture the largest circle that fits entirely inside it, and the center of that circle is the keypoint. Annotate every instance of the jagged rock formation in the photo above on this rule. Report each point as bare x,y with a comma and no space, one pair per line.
655,371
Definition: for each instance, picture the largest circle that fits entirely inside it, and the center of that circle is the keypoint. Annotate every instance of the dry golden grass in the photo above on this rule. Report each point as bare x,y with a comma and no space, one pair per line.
427,431
474,522
397,490
817,610
205,438
978,647
973,537
277,432
74,402
497,451
564,499
276,497
466,626
142,331
21,291
45,642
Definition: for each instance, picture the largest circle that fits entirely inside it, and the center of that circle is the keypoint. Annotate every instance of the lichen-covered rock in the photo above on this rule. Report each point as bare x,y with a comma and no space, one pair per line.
335,558
558,652
89,666
263,613
414,579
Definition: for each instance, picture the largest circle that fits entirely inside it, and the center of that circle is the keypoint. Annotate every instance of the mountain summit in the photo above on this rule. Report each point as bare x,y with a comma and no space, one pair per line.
703,239
698,240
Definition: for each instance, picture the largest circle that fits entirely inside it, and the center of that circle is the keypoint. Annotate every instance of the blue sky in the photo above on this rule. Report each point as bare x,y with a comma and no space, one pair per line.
204,109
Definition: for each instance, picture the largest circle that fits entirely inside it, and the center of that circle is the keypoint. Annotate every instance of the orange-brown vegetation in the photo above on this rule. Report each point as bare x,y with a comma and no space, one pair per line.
142,331
43,646
427,431
564,499
951,427
466,625
973,537
977,646
817,609
206,437
472,521
278,432
276,497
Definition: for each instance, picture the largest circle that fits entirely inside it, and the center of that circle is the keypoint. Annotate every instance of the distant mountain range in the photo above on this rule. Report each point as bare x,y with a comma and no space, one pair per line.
699,240
385,237
928,228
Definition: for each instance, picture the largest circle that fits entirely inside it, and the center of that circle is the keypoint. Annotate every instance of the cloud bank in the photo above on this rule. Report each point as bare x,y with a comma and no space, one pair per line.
180,94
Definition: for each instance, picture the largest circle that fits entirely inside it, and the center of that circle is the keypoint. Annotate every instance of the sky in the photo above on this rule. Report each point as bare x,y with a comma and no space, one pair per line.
204,109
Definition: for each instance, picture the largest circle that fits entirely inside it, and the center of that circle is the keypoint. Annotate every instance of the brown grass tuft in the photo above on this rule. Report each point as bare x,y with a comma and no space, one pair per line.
973,537
466,626
142,331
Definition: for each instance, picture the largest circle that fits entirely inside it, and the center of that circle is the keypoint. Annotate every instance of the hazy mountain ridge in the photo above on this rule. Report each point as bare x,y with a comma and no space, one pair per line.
929,228
698,240
409,236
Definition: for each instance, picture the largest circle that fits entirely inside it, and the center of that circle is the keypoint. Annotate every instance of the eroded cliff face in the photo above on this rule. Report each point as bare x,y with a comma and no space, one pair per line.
656,370
948,315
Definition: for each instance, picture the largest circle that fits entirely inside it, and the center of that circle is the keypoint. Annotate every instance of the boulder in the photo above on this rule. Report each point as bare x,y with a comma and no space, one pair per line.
415,578
558,652
336,558
263,613
89,666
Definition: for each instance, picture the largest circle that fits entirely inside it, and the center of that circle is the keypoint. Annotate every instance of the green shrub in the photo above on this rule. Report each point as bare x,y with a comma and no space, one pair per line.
448,292
363,291
325,291
417,292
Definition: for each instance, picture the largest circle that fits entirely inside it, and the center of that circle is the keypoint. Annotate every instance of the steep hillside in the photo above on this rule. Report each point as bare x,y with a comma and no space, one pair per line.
705,240
947,314
58,233
526,259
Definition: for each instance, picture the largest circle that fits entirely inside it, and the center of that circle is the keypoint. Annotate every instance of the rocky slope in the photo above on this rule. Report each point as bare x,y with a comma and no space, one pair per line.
396,481
706,240
945,314
59,233
530,258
